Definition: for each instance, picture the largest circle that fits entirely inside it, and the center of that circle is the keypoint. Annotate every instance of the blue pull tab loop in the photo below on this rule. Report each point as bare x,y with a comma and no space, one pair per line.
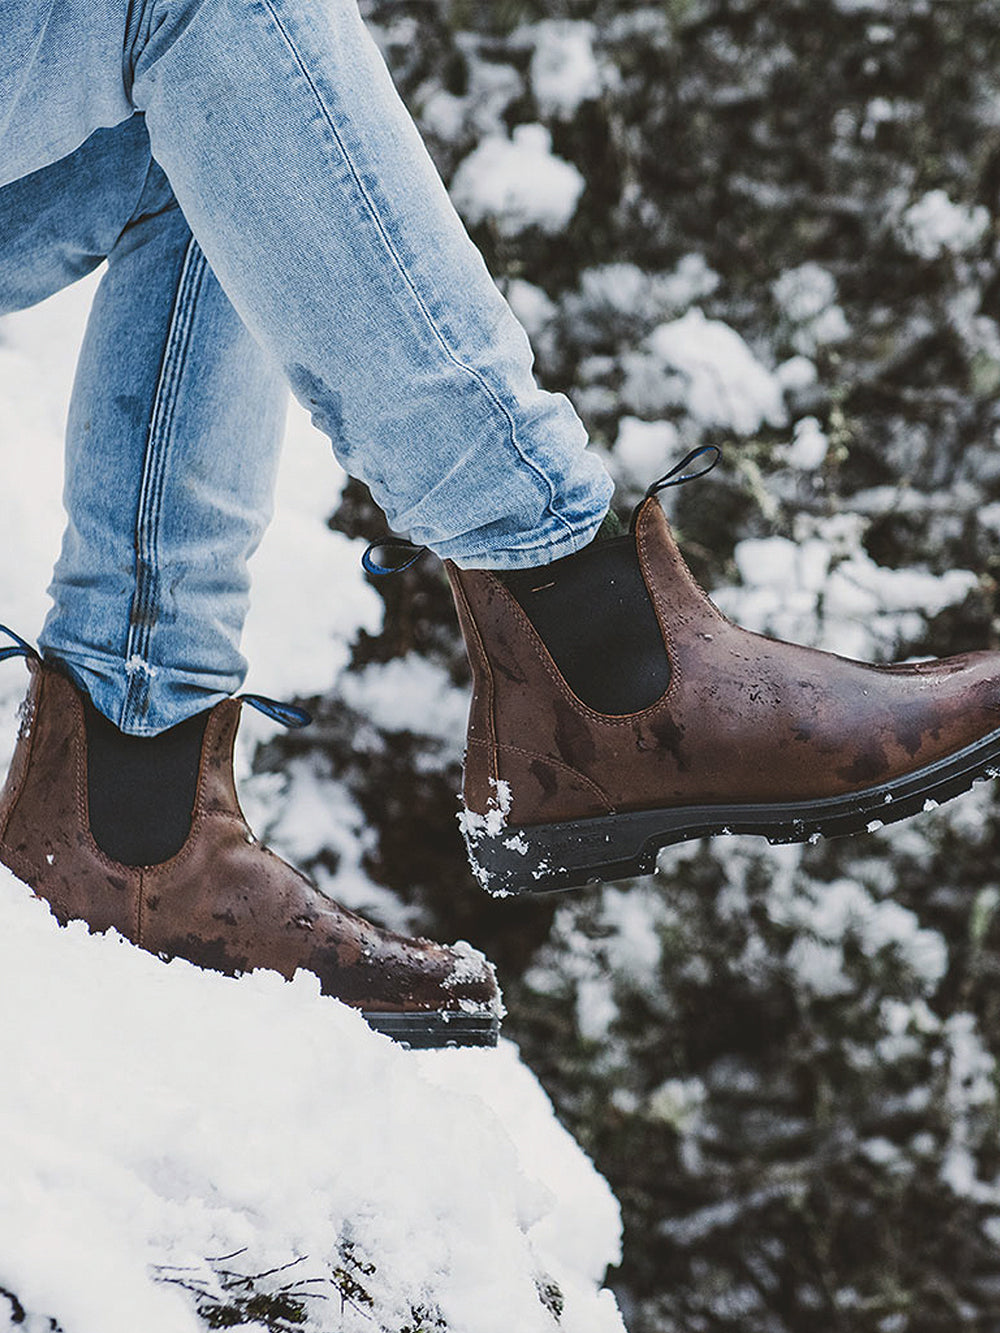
289,715
379,568
22,649
677,476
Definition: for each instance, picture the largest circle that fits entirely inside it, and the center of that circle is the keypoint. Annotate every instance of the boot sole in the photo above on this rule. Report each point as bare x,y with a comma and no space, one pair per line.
436,1030
544,858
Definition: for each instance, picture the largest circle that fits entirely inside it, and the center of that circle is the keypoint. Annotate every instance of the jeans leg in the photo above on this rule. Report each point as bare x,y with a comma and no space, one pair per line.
59,223
173,437
311,193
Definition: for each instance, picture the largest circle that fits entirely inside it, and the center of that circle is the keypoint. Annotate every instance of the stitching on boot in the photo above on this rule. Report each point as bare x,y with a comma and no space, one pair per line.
642,548
575,773
487,670
219,722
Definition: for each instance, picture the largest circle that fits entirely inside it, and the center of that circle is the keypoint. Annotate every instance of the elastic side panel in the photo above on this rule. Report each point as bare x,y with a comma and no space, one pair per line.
141,790
594,614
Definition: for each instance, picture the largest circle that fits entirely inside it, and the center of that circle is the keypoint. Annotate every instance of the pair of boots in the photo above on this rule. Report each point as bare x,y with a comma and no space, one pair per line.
614,711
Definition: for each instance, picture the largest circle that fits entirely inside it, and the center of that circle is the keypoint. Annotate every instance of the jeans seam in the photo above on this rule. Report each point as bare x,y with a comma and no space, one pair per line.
154,468
421,304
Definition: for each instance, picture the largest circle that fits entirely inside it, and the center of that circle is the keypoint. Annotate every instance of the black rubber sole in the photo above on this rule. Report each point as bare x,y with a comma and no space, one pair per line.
436,1030
544,858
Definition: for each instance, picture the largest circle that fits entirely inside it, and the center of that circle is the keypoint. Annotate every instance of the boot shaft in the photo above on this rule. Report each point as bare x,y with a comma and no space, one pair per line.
45,807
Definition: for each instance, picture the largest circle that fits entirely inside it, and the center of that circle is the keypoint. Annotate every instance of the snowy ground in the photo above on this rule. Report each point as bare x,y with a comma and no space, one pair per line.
165,1132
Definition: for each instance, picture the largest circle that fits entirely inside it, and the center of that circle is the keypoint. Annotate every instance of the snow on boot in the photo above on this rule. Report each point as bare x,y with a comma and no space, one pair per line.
211,893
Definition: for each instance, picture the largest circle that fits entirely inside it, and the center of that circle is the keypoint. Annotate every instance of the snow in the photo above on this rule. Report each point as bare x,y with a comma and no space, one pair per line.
531,305
625,942
692,280
156,1117
971,1089
828,916
162,1115
796,374
806,297
725,384
678,1101
935,225
809,445
410,694
644,449
626,293
564,71
805,292
517,183
475,827
492,86
824,589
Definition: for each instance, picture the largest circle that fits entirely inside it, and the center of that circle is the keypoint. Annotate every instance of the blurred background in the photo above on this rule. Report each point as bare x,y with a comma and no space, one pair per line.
770,226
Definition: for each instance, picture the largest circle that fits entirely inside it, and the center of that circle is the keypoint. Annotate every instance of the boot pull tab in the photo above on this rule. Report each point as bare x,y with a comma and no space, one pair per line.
388,549
677,476
289,715
21,648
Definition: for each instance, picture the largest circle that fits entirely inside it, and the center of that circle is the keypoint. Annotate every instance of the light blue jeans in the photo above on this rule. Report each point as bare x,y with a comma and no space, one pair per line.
269,215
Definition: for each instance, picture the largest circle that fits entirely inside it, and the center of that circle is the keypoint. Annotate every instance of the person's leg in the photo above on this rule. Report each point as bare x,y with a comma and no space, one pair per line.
172,442
173,436
306,184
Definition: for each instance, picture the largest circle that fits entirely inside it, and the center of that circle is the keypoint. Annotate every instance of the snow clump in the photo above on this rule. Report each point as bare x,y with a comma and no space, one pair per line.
828,916
643,449
935,226
723,382
807,297
475,827
824,590
564,71
809,445
517,183
409,694
531,305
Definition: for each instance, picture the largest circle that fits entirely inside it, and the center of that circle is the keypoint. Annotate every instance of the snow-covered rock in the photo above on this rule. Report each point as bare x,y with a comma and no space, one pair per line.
157,1118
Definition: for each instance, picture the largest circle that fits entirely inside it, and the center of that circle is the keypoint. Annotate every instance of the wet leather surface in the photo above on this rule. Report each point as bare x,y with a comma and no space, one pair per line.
744,718
224,901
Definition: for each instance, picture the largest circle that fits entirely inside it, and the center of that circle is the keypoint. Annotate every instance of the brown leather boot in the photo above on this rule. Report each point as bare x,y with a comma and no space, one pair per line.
615,710
223,900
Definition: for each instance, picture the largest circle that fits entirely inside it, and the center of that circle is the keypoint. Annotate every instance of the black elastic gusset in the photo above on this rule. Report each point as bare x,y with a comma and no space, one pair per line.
142,789
594,614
